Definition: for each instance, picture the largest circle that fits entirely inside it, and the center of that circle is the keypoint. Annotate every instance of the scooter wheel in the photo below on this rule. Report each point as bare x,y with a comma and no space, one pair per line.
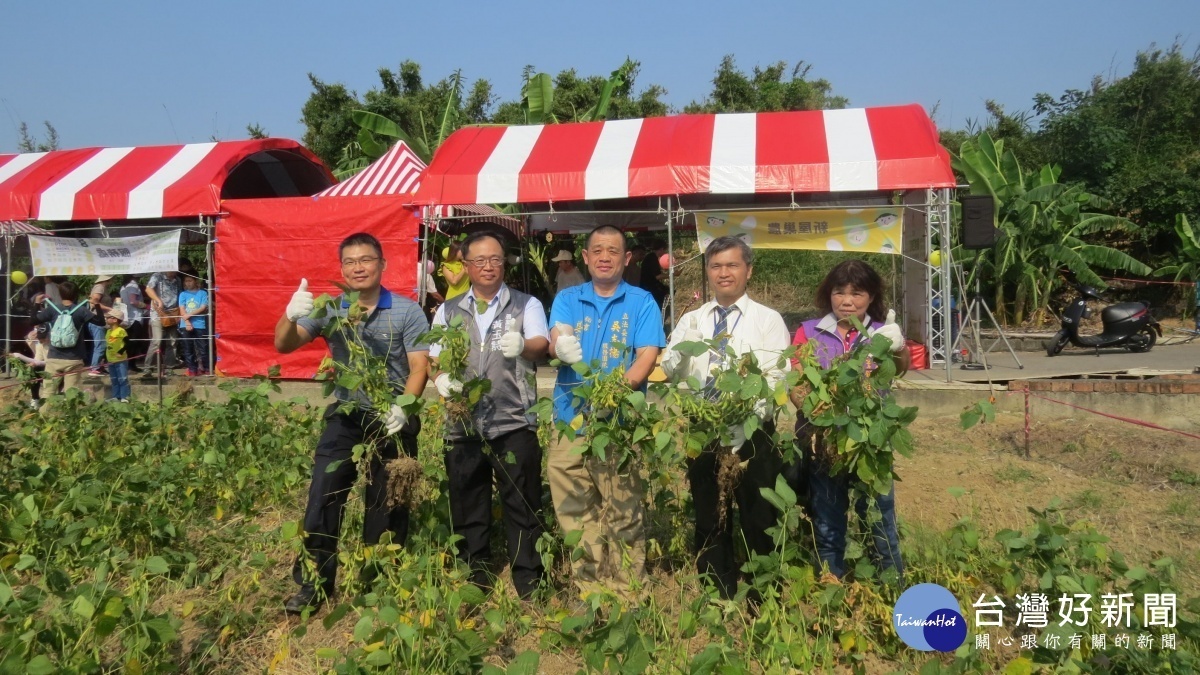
1144,340
1056,344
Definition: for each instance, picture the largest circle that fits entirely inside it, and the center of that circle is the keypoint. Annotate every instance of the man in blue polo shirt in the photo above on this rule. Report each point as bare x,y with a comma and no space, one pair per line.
391,330
601,501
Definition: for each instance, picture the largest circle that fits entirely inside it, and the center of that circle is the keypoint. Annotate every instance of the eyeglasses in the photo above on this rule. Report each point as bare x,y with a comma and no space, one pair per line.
361,262
480,263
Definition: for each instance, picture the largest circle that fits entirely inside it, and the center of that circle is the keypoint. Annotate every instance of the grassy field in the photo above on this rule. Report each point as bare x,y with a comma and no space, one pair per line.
150,539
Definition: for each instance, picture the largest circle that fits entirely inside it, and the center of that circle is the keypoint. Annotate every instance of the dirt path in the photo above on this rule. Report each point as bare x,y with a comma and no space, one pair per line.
1139,487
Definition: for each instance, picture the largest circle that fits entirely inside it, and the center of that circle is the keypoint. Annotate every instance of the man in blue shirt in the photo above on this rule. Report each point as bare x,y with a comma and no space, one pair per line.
591,322
391,329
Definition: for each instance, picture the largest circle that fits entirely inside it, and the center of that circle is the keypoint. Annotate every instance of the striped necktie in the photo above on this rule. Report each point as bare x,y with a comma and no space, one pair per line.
722,328
721,333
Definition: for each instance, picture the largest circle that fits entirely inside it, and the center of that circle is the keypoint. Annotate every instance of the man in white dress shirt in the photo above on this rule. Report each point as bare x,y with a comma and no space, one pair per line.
749,326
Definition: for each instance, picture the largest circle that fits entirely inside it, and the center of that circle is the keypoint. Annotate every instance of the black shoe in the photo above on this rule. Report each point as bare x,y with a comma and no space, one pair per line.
307,598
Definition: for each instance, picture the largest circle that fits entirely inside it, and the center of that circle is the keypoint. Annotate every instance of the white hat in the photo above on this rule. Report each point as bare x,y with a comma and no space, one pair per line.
103,278
562,256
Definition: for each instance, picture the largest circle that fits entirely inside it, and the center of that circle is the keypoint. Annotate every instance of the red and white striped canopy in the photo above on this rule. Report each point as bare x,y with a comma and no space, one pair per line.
152,181
12,228
858,149
398,172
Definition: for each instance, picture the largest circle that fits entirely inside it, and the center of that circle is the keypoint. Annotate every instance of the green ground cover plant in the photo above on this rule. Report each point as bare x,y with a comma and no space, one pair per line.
142,538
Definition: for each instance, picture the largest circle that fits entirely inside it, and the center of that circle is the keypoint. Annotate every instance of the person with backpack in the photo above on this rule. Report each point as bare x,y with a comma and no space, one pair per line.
67,321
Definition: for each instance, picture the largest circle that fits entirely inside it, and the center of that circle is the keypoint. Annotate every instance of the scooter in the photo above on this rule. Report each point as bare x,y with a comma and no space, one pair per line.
1126,324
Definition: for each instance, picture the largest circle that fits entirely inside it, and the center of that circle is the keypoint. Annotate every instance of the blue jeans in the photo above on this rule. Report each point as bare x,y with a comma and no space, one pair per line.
194,344
98,344
829,502
118,372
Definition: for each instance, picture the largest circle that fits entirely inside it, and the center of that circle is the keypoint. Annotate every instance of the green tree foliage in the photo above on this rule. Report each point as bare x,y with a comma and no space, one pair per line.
1187,260
766,90
1045,225
327,119
577,99
26,142
1135,139
404,107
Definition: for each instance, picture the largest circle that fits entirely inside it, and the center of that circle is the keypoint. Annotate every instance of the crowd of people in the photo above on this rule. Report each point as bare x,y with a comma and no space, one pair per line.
607,321
119,327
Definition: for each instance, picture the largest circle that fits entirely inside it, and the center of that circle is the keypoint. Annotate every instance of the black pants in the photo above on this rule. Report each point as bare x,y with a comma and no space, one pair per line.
471,472
716,555
329,490
35,385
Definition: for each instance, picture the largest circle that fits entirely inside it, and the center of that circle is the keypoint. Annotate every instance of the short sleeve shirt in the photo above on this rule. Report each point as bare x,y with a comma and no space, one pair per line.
167,290
115,344
131,295
393,329
629,317
191,301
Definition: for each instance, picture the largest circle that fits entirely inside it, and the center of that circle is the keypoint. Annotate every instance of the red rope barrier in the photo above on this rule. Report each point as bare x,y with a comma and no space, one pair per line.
1130,420
62,373
1145,281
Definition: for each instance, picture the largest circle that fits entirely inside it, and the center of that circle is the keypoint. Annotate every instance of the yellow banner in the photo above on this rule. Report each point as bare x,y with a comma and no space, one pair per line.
865,230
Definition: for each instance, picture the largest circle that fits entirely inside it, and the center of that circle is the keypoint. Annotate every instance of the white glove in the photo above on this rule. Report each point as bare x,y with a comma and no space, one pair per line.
567,347
301,304
737,437
394,419
692,332
891,331
762,409
512,344
447,385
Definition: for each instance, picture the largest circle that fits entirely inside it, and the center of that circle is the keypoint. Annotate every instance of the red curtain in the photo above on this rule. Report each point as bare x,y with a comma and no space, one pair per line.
265,246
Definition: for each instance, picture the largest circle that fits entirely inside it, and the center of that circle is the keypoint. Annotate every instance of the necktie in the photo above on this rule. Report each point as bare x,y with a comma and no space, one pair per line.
721,333
722,328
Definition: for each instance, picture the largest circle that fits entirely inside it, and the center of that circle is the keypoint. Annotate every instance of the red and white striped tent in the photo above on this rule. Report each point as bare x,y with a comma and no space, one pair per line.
153,182
13,228
398,172
825,151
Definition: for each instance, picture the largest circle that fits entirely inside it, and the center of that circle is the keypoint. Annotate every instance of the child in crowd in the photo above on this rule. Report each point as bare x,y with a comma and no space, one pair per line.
193,326
453,271
117,355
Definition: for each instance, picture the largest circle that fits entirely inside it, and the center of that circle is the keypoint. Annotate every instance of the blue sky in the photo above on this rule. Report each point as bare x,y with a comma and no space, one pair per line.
147,73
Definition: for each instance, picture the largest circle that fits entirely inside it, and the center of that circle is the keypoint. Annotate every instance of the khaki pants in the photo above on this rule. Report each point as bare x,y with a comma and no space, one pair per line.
69,381
606,506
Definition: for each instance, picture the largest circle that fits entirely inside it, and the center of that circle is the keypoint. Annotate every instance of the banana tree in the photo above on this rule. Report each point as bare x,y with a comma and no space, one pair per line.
376,134
1044,226
537,97
1188,256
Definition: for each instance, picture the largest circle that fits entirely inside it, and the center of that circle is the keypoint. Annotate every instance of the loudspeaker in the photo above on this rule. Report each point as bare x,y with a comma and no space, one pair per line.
978,221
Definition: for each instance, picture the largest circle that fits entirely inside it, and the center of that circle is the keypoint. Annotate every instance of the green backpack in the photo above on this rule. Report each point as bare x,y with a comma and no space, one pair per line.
64,334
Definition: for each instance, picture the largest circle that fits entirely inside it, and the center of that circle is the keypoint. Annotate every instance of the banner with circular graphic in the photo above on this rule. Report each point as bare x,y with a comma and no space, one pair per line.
865,230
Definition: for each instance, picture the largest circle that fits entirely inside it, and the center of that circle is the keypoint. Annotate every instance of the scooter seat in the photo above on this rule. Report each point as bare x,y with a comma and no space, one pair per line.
1121,312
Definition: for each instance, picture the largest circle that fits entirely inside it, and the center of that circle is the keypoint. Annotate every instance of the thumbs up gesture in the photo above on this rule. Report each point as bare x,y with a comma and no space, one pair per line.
512,343
567,346
891,331
301,303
